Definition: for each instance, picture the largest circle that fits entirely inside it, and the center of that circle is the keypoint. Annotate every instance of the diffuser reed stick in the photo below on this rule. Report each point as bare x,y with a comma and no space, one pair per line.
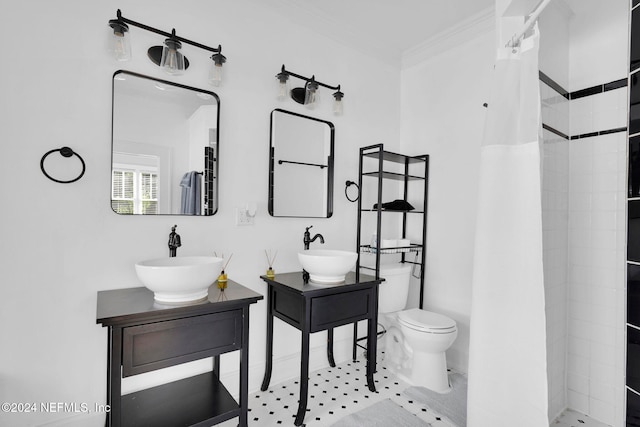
222,278
271,260
228,261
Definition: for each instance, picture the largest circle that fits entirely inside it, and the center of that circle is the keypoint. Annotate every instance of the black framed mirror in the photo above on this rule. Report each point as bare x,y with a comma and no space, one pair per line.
164,157
300,166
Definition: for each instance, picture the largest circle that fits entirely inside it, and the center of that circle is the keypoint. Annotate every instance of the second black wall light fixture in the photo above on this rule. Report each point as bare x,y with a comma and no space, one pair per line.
307,95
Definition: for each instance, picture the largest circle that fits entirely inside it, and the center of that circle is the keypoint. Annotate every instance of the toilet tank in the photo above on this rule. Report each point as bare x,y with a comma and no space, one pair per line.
393,292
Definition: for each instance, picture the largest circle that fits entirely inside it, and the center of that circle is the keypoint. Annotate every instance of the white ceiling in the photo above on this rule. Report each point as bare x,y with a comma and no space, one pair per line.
384,27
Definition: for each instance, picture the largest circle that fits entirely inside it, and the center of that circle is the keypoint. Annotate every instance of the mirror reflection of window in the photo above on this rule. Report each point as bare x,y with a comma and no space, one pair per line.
135,184
122,191
134,192
162,133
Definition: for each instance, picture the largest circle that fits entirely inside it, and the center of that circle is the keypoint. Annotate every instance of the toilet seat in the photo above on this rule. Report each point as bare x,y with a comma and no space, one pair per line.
426,321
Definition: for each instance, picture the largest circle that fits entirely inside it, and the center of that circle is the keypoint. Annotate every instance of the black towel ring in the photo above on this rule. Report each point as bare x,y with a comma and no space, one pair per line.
65,152
347,185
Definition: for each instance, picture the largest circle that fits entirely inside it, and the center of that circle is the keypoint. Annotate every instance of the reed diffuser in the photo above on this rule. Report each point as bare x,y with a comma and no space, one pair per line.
222,278
271,273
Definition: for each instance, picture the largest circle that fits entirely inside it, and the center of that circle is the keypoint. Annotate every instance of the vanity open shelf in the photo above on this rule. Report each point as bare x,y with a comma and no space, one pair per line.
144,336
184,402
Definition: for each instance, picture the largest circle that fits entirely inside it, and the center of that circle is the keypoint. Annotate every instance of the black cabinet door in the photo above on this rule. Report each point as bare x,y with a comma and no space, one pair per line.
159,345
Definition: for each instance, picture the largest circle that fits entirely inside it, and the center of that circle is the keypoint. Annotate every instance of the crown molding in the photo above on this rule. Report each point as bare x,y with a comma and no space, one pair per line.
479,24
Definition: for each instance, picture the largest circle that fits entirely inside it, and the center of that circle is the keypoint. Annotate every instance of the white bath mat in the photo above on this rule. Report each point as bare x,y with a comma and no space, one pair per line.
452,405
382,414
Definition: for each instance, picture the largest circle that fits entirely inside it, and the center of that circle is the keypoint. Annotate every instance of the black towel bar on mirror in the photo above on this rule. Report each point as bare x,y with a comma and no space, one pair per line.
64,152
301,163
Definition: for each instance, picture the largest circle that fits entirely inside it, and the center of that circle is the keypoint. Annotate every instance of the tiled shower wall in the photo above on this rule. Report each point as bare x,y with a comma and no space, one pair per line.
584,241
597,241
584,248
584,164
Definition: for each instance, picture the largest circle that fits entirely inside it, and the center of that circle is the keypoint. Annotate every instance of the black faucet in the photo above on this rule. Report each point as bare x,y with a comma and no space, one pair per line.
174,241
307,238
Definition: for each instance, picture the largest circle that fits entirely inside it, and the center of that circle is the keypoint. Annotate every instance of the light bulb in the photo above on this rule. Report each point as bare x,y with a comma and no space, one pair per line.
172,61
215,73
311,96
283,91
338,105
310,100
283,85
121,47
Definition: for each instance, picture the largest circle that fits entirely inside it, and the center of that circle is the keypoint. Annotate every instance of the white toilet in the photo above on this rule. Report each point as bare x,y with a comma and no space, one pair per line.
416,340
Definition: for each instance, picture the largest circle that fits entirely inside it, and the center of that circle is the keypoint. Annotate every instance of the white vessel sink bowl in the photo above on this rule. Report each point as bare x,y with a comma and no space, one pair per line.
327,266
179,279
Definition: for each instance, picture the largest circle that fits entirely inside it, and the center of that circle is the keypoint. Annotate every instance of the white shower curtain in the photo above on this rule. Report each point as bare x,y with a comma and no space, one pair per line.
507,354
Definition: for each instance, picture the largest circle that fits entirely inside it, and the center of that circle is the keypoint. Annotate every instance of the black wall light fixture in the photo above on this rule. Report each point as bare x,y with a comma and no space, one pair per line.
167,56
307,95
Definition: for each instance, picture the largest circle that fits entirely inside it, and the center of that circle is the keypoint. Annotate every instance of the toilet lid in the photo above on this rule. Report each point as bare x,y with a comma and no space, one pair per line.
426,320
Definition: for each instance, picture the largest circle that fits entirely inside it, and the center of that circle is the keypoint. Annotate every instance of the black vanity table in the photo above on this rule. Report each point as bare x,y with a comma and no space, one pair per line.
312,308
145,335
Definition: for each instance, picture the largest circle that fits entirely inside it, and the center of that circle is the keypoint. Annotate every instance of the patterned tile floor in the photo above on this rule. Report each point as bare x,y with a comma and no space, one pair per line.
340,391
333,394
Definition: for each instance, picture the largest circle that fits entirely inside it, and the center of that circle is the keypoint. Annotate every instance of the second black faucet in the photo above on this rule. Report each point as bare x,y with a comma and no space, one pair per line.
308,240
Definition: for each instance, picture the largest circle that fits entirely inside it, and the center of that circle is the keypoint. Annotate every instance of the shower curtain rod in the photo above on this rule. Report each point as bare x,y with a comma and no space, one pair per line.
531,19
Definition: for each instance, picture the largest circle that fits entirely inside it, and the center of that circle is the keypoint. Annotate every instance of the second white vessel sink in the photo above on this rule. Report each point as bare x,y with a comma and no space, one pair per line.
327,266
179,279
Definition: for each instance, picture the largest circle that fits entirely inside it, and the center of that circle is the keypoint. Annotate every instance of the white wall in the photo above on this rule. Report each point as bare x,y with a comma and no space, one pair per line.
599,42
62,243
443,116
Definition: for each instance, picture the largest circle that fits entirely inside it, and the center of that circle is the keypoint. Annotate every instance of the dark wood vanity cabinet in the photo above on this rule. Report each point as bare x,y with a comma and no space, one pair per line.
311,308
144,336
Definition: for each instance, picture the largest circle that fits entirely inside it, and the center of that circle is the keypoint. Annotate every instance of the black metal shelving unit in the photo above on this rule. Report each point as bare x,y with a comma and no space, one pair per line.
383,167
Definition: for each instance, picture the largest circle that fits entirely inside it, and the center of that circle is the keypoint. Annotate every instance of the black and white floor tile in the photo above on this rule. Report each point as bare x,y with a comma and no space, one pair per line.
340,391
333,394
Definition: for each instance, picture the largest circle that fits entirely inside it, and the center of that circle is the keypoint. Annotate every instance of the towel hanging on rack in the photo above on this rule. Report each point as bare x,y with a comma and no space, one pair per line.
190,201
